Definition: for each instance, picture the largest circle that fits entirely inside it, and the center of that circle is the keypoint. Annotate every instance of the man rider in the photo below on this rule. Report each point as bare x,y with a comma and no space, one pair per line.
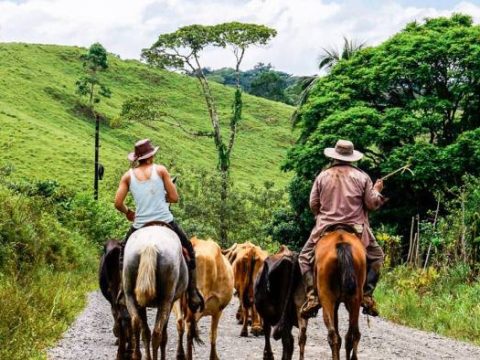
153,190
343,194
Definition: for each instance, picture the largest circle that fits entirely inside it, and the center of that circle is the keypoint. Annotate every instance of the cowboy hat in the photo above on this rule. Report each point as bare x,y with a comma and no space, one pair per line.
143,150
343,151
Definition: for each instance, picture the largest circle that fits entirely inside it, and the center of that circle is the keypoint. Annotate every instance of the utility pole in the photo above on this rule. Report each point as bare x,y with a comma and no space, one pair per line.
97,146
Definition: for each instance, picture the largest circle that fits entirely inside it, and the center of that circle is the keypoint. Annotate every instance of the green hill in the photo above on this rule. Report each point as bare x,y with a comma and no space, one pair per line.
44,137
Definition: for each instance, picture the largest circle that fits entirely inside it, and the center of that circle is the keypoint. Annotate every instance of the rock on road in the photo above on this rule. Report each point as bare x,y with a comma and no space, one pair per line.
90,337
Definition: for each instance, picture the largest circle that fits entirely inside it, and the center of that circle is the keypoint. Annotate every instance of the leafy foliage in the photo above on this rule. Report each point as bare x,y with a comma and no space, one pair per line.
94,61
263,80
247,213
330,57
413,99
182,50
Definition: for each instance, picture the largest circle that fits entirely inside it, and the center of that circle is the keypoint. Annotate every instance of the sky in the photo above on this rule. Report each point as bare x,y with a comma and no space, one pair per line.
304,26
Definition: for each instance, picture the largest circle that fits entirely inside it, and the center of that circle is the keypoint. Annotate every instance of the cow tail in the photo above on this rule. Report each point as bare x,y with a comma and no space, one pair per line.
347,270
193,332
246,295
145,289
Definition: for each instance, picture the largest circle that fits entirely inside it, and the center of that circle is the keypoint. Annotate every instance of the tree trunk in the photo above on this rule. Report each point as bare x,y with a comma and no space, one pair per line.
224,208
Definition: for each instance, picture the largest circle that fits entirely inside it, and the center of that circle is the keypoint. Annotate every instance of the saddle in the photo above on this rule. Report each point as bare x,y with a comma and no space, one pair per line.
345,227
167,225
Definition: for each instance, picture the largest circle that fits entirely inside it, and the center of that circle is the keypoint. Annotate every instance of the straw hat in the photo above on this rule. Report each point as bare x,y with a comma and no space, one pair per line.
343,151
143,150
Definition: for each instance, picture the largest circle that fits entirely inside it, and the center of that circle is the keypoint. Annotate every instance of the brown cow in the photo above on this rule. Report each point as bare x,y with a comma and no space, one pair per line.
247,259
215,282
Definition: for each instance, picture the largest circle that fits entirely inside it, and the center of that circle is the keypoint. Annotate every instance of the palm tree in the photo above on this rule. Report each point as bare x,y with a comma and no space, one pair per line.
327,60
332,56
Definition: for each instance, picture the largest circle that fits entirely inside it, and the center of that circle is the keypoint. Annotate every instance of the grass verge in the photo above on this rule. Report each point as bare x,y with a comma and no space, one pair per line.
442,301
38,309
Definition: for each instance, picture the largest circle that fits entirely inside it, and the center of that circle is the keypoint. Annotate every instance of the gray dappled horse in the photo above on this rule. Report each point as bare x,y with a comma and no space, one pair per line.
155,274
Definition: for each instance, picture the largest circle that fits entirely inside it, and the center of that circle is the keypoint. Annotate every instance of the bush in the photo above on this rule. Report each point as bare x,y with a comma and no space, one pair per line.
248,212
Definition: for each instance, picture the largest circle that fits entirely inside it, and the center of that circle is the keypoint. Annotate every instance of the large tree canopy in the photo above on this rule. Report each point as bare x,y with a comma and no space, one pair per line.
413,99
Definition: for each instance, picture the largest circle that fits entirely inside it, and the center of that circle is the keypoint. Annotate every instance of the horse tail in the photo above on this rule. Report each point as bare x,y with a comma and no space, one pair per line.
347,269
145,289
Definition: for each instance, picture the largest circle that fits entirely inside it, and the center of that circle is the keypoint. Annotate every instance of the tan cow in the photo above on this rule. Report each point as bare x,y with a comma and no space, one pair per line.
246,259
215,282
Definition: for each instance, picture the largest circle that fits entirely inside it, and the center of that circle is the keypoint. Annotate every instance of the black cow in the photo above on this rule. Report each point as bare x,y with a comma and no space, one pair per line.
110,281
279,295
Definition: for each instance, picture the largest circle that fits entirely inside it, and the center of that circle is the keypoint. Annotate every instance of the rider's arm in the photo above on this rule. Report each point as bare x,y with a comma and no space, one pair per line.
315,197
121,194
373,199
170,188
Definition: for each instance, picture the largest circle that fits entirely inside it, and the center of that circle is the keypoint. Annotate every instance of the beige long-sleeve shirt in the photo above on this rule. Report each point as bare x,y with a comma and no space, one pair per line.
343,194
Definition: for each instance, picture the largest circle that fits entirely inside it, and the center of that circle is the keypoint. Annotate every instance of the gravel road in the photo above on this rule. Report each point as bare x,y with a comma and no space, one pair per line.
90,337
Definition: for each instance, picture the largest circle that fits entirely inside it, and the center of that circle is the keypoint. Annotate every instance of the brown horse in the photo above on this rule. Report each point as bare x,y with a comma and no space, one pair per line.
340,271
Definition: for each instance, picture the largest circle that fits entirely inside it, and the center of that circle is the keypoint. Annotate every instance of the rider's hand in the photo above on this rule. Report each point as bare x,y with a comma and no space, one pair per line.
378,185
130,215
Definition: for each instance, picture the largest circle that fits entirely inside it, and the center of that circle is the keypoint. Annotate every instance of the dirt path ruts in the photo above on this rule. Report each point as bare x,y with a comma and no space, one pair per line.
90,337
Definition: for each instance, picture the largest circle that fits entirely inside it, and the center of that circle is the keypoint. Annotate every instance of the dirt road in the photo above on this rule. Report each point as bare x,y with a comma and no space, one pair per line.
90,337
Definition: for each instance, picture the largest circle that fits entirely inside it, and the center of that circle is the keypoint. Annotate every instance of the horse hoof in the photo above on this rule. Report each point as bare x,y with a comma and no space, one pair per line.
244,333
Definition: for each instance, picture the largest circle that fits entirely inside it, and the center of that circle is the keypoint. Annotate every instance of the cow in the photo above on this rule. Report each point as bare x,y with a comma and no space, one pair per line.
279,295
246,259
109,277
215,282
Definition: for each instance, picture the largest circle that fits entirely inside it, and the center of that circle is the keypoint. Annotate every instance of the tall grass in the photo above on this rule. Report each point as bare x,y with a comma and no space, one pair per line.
443,301
46,267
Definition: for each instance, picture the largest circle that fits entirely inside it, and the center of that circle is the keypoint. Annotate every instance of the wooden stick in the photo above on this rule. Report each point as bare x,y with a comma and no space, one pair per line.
434,225
410,241
417,253
403,169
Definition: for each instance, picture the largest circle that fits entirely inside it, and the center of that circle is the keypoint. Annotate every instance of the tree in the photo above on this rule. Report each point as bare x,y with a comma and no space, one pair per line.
90,85
182,50
270,85
413,99
333,55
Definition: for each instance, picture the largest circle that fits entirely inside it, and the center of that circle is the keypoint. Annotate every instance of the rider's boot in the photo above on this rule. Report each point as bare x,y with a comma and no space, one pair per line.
195,299
368,303
312,304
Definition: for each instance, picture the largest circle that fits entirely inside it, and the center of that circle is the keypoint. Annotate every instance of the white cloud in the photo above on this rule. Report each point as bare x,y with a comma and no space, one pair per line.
125,27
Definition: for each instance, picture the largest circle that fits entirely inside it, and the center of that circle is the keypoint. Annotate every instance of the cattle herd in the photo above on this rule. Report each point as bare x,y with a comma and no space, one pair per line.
269,289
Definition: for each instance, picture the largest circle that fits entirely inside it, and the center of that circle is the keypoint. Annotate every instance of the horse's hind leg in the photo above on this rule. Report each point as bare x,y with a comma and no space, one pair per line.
132,310
146,334
353,334
159,335
334,340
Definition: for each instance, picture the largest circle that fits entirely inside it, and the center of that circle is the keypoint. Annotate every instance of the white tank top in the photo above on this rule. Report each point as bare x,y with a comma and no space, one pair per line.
150,199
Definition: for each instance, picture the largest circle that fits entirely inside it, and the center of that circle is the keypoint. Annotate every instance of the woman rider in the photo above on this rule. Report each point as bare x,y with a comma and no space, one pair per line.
152,189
